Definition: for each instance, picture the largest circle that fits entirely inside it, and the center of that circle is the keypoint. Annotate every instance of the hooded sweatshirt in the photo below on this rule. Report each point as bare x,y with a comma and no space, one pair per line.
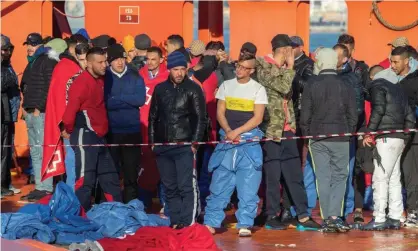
391,76
329,104
58,45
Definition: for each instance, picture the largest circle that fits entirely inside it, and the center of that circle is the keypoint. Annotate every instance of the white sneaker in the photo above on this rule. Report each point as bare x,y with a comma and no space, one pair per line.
244,232
15,190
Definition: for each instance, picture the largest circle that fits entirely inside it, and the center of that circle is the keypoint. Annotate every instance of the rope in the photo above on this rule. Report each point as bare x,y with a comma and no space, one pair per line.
385,23
62,13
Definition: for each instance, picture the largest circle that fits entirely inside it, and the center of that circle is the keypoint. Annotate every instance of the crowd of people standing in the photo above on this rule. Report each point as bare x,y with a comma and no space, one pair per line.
80,91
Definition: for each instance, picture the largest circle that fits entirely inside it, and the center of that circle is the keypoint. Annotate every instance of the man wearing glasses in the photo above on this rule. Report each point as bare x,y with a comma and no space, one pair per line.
241,104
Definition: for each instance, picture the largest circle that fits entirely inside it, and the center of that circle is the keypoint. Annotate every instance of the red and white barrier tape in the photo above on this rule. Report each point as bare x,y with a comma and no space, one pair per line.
238,141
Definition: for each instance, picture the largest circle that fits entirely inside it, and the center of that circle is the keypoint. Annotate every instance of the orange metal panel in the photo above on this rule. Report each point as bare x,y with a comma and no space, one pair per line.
303,23
18,20
371,36
259,22
187,24
157,19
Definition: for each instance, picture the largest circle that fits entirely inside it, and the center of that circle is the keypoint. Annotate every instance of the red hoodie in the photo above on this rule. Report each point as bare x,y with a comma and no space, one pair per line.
53,163
385,63
86,98
209,87
150,85
149,178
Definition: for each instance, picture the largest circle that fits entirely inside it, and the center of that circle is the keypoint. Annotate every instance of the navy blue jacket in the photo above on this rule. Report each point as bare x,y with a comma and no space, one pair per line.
124,95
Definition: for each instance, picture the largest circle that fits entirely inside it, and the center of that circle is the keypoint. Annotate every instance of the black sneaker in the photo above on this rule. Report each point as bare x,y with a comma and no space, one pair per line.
260,220
287,219
411,219
393,224
38,196
358,220
358,217
285,215
35,195
374,226
309,225
338,224
274,223
179,227
326,226
6,192
29,195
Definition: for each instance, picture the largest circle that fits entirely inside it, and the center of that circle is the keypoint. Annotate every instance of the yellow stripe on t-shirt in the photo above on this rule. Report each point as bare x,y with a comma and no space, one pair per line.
239,104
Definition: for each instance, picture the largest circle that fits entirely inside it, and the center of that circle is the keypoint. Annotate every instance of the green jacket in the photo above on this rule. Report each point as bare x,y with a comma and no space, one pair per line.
278,84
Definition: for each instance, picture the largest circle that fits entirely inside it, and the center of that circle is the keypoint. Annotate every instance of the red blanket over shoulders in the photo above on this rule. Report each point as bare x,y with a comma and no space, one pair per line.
53,161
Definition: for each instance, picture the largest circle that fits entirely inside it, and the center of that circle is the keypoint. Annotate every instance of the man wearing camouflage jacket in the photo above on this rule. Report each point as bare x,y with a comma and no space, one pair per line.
275,72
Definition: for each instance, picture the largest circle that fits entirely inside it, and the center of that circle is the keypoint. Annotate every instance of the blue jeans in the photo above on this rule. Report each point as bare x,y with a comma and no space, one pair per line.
349,192
309,180
204,176
69,164
35,125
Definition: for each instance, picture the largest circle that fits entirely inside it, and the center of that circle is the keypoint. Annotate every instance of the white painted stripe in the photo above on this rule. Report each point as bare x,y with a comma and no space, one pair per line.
195,192
88,120
82,152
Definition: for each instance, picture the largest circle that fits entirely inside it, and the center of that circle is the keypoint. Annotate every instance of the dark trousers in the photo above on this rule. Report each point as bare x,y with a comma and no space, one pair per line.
94,163
410,172
303,152
6,154
127,159
176,165
203,176
283,159
359,177
359,188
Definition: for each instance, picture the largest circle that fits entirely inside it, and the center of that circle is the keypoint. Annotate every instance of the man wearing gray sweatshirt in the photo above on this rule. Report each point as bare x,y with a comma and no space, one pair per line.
328,107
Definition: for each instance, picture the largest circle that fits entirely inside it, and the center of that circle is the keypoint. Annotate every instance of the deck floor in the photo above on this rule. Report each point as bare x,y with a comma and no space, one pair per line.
265,240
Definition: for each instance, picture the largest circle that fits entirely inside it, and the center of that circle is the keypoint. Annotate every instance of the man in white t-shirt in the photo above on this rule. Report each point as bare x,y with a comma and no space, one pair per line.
241,103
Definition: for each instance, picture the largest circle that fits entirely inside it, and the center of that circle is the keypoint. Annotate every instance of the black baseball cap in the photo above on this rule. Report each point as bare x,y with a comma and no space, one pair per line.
33,39
101,41
281,40
249,47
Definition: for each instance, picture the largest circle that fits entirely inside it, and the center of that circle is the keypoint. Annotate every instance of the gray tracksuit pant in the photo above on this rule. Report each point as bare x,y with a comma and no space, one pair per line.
330,163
